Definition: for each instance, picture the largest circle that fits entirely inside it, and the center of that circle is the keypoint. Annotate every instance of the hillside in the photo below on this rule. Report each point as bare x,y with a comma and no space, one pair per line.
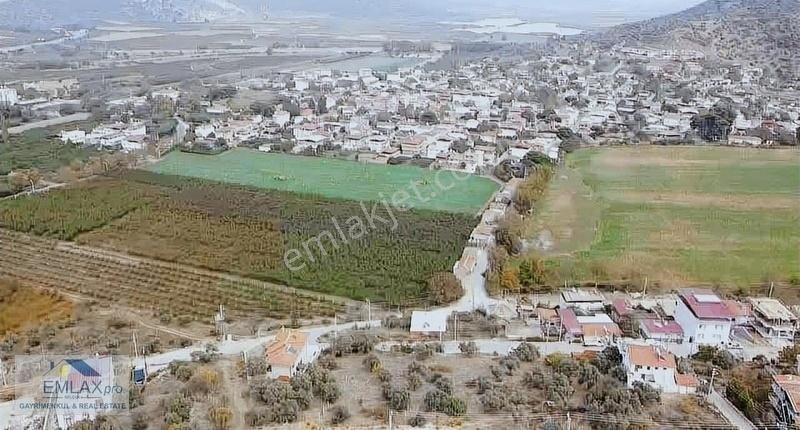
762,32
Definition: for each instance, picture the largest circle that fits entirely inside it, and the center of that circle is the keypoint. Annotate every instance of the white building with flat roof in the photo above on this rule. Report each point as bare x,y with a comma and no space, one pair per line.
8,96
772,320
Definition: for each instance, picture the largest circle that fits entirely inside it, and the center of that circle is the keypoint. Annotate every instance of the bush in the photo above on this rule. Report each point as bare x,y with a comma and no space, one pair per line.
399,399
440,401
469,349
525,352
417,421
339,414
444,288
718,357
372,363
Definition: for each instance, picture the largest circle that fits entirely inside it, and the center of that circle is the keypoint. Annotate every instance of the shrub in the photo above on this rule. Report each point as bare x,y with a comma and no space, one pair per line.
372,363
339,414
417,421
469,349
444,288
525,352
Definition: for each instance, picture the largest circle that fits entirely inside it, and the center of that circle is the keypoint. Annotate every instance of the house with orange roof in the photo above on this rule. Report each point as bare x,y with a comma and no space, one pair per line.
657,367
288,352
785,398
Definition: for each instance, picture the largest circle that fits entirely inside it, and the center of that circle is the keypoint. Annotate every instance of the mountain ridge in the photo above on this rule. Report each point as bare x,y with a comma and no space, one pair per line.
755,32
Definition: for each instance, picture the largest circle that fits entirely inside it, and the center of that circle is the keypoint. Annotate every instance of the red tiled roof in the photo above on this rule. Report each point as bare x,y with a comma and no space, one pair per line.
791,385
662,327
570,321
705,309
621,307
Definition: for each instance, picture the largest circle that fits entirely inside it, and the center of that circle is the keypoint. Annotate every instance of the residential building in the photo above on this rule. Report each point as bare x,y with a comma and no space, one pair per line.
655,366
785,398
429,324
290,350
8,97
704,318
661,331
772,320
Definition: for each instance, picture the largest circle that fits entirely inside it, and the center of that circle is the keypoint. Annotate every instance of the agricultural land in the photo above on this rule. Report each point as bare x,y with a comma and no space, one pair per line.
334,178
238,230
676,215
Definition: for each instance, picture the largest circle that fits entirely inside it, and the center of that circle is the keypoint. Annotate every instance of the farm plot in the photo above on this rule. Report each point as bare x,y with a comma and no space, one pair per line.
676,215
155,286
437,190
248,231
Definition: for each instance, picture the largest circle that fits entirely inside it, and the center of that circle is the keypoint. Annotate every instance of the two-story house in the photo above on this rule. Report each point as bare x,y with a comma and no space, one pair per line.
655,366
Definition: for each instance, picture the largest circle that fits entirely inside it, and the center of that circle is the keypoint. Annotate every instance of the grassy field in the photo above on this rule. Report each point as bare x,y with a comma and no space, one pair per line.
334,178
248,231
39,149
677,215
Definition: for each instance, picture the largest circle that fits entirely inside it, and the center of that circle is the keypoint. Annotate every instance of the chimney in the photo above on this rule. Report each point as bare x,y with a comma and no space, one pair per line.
798,364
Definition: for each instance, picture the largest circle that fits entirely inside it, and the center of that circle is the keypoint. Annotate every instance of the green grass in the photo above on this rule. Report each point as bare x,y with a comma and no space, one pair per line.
438,190
680,215
39,149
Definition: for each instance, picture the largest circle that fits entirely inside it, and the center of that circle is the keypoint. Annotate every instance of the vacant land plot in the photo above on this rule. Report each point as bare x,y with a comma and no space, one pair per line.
248,231
441,190
676,215
23,308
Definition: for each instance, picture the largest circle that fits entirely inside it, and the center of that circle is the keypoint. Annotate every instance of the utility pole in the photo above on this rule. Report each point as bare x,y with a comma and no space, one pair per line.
569,422
711,384
391,427
369,311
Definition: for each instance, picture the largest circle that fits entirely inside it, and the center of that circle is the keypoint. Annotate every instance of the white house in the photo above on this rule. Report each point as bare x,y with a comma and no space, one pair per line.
290,350
77,137
651,365
704,318
433,323
8,96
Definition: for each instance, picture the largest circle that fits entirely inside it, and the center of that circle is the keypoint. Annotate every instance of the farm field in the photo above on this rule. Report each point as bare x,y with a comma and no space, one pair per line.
246,231
177,291
677,215
334,178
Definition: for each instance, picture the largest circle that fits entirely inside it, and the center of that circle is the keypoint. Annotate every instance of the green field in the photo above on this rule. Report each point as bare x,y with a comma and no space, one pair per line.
677,215
438,190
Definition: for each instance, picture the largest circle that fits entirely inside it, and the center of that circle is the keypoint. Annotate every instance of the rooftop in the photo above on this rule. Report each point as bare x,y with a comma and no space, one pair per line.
772,309
286,348
434,321
791,385
650,356
704,304
661,327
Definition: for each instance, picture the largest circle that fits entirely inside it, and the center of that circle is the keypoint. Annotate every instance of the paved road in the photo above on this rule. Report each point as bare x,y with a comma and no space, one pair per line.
80,116
237,346
730,412
503,346
474,284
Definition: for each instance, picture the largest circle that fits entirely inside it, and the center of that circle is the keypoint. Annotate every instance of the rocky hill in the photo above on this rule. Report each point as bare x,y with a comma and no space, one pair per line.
765,33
